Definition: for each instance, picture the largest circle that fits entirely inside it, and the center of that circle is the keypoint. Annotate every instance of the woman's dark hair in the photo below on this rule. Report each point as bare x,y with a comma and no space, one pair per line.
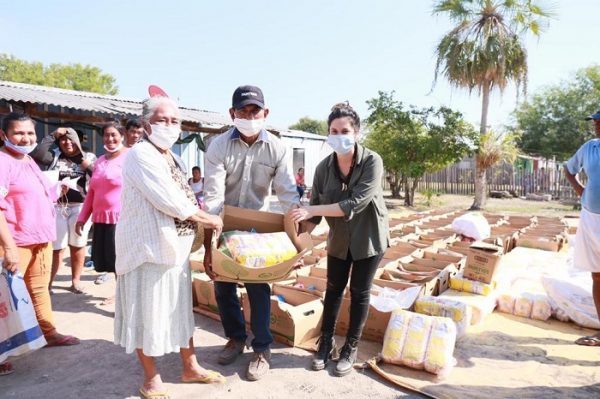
14,117
114,124
133,123
196,168
344,110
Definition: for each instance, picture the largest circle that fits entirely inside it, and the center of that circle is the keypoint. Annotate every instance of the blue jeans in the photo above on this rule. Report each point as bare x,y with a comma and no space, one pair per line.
232,317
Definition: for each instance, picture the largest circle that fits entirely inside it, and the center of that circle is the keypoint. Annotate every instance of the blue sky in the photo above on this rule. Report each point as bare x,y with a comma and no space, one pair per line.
305,55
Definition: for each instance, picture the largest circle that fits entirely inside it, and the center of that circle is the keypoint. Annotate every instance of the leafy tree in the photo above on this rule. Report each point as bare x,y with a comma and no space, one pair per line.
71,76
415,141
484,51
310,125
553,122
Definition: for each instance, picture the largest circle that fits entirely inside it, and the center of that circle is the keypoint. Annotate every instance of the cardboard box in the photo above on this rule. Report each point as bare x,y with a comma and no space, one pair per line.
297,322
203,289
375,326
546,243
445,255
263,222
482,262
319,284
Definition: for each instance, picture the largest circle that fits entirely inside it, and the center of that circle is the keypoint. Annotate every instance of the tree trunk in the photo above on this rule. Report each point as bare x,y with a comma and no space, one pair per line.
407,201
393,179
480,178
415,183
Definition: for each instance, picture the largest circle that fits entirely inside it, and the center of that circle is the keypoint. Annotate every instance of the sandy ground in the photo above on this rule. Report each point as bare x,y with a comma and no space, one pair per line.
99,369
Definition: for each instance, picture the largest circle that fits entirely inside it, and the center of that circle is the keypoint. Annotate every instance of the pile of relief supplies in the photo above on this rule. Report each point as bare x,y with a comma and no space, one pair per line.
525,282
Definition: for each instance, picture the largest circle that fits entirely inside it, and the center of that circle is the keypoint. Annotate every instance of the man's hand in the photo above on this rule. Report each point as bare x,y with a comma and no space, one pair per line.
579,190
11,259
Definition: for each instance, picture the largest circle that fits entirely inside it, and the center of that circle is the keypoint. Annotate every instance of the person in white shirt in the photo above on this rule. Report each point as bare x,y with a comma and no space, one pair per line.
158,221
197,184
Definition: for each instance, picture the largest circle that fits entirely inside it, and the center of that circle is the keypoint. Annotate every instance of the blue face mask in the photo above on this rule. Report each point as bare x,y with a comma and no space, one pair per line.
21,149
341,143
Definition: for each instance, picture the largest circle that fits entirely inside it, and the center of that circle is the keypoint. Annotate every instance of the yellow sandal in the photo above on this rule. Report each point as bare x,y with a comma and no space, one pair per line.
211,377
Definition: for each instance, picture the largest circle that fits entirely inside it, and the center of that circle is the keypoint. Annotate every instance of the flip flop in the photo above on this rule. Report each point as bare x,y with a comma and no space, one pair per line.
65,340
154,394
591,340
77,289
6,369
211,377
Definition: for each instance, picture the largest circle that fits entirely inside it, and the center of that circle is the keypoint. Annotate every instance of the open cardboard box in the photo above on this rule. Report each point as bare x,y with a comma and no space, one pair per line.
445,255
235,218
319,284
547,243
375,326
204,292
297,321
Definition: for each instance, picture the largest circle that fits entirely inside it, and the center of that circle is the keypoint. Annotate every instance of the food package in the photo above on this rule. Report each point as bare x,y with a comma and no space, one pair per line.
506,303
395,336
541,309
523,306
459,312
258,249
460,283
438,357
417,338
420,341
481,306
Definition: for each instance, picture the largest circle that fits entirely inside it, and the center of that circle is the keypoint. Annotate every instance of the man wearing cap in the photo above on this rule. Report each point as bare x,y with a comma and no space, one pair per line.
240,166
587,240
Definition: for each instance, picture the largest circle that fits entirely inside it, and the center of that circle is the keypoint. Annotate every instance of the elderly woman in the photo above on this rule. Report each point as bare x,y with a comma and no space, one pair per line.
103,201
62,153
347,191
27,221
154,236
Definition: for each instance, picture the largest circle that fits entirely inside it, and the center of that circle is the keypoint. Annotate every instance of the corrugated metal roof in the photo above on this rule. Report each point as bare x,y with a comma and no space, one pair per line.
93,102
117,106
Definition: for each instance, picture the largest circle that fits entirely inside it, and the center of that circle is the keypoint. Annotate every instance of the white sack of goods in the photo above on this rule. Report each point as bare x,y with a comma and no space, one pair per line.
472,225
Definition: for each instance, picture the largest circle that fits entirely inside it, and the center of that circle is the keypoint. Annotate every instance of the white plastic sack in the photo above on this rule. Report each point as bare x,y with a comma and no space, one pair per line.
573,296
19,329
389,299
472,225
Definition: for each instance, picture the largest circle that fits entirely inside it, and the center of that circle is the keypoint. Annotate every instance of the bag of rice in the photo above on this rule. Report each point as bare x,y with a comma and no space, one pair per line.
417,339
506,303
459,312
460,283
438,357
395,336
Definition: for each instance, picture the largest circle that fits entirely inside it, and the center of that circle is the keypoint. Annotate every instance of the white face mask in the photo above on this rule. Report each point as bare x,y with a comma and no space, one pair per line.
113,150
249,127
164,136
341,143
21,149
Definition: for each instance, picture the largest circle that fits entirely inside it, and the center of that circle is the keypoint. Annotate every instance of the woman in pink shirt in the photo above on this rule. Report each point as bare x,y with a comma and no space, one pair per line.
26,208
103,200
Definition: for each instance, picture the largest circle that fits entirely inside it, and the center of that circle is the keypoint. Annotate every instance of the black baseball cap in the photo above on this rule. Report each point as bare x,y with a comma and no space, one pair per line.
594,116
245,95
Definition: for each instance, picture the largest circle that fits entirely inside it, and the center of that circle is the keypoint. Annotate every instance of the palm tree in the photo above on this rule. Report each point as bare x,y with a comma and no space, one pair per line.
485,52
